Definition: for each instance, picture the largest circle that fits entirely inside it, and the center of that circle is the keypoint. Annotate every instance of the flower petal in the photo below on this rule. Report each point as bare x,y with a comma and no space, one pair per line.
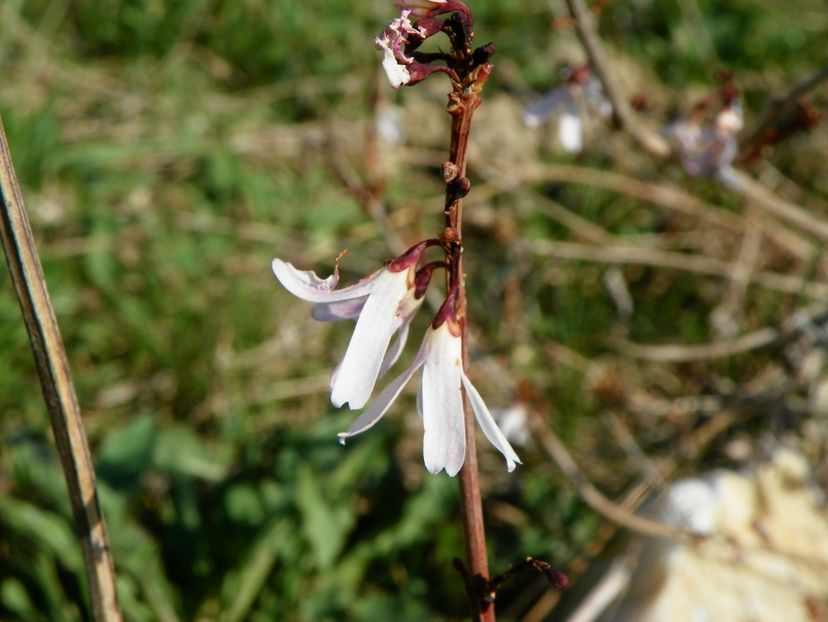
570,130
383,401
408,309
339,310
397,73
357,374
306,285
488,425
444,442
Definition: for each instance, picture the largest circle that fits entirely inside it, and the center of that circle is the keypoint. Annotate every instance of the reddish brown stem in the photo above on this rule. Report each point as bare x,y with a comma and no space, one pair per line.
462,105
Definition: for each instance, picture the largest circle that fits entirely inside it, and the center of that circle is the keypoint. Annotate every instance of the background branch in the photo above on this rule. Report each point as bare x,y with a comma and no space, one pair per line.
621,111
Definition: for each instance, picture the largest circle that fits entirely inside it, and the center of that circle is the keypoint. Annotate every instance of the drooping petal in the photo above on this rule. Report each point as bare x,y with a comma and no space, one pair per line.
383,401
488,425
396,349
357,374
306,285
444,441
397,73
407,310
570,130
339,310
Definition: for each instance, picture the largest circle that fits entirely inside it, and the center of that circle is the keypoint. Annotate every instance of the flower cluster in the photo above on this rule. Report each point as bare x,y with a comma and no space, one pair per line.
383,304
399,41
706,140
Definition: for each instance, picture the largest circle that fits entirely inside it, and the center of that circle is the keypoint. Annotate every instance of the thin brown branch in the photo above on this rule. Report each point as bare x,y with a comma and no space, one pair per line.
761,338
613,512
765,199
628,254
58,390
726,317
734,180
662,194
621,110
778,107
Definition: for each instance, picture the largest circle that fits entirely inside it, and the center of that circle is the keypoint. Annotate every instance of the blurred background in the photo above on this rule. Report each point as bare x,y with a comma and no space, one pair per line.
658,323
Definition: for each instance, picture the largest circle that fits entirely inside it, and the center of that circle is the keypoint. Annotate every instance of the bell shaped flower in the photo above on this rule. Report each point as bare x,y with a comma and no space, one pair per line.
383,303
440,401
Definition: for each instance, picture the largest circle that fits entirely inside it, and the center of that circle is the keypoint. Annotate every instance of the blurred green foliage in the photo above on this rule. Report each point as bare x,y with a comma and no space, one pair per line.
135,127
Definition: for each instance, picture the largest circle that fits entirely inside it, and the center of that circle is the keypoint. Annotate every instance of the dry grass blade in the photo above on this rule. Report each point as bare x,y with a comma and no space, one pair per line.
58,390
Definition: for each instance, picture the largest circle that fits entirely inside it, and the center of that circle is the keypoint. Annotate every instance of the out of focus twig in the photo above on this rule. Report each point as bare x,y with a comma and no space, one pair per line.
557,451
778,107
58,390
621,111
795,326
662,194
734,180
763,198
699,264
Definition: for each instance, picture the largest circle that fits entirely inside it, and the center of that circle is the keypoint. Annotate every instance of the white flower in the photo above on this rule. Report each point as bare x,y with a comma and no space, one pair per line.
708,149
397,72
383,303
439,403
580,84
392,42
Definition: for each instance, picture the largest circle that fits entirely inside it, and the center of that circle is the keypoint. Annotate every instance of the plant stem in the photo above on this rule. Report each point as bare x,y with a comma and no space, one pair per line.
462,104
58,390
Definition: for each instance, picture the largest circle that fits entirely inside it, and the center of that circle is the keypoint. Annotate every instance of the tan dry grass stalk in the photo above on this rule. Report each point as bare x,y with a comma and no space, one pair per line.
58,390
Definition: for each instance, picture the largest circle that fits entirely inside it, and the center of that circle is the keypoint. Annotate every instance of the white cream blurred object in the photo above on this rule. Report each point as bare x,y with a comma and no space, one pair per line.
707,148
513,423
389,124
574,100
766,559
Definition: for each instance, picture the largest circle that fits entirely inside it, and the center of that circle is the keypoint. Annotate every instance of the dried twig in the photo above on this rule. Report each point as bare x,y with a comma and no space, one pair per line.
795,326
629,254
763,198
58,390
734,180
557,451
778,107
663,194
726,317
621,110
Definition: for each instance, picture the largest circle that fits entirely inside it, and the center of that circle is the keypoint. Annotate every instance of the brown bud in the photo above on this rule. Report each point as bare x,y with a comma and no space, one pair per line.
450,171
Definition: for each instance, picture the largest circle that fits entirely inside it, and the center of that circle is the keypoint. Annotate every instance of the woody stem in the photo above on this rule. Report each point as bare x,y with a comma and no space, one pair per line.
461,106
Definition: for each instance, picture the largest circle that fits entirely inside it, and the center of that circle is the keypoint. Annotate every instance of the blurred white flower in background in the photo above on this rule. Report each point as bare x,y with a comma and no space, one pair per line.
574,100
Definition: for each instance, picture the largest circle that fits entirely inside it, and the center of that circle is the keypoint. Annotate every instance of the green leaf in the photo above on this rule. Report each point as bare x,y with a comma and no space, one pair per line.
15,598
179,451
127,452
325,526
244,583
